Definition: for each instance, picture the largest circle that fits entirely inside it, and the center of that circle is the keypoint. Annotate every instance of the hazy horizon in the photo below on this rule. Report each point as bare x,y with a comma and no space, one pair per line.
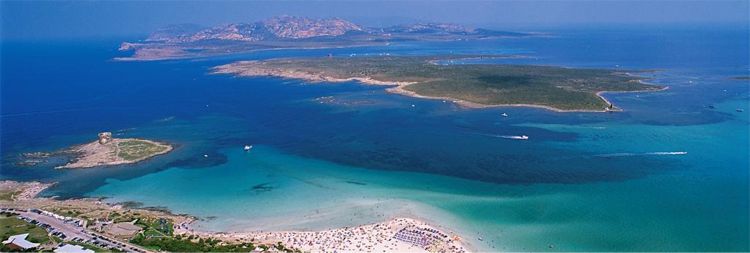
78,19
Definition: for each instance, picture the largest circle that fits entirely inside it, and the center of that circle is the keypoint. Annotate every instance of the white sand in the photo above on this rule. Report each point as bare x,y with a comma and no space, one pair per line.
378,237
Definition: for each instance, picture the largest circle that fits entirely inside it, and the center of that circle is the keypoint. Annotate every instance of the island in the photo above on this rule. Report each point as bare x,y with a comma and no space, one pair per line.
451,78
289,32
104,151
114,151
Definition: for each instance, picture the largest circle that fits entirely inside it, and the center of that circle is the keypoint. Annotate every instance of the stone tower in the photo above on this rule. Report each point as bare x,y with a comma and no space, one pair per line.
105,137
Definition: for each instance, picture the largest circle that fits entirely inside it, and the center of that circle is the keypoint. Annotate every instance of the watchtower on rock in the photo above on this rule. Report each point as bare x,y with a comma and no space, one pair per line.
105,137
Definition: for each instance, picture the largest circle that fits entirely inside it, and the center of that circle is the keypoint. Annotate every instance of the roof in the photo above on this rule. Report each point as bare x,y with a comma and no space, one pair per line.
20,241
68,248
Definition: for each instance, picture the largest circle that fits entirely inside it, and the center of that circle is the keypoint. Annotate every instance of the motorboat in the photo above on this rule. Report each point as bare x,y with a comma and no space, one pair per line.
516,137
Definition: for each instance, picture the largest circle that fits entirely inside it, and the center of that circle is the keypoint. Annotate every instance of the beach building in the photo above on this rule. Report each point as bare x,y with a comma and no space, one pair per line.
19,242
69,248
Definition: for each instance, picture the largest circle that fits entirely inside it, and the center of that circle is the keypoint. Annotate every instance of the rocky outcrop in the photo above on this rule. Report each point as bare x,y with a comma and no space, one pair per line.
125,46
289,27
295,28
283,27
174,33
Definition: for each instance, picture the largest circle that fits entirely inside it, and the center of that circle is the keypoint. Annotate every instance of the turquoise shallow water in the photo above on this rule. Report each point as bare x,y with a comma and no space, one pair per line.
670,173
699,208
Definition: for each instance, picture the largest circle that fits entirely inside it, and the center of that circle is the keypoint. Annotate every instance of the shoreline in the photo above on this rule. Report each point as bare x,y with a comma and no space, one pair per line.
94,154
395,234
371,237
187,57
29,199
399,87
472,105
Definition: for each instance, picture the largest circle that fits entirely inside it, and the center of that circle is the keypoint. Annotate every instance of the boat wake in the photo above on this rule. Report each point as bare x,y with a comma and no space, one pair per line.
643,154
514,137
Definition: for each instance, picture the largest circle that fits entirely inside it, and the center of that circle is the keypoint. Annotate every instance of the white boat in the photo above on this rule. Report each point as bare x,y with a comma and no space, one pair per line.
504,115
248,147
516,137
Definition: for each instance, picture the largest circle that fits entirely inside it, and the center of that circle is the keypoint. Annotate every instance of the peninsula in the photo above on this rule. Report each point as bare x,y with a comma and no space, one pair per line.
471,85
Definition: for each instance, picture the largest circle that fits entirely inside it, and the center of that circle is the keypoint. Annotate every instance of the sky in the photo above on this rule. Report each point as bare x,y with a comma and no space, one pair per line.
79,19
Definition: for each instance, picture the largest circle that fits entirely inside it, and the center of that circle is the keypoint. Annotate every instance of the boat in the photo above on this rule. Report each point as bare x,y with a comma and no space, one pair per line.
504,115
515,137
739,110
248,147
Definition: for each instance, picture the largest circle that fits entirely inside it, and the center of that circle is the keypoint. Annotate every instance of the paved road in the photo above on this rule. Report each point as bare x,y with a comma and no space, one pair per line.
73,231
70,230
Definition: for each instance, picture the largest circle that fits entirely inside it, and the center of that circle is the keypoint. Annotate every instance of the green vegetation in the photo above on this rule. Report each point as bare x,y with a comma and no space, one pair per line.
11,225
8,195
485,84
157,235
132,150
66,212
117,217
156,227
194,244
173,244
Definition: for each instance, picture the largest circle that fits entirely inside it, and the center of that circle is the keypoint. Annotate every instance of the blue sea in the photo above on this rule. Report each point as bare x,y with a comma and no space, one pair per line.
670,173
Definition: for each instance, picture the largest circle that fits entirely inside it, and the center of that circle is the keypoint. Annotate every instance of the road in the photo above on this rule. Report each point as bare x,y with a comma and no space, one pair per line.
73,232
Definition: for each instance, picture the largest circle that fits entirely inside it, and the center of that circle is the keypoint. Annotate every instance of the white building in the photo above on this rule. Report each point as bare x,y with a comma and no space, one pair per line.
68,248
19,242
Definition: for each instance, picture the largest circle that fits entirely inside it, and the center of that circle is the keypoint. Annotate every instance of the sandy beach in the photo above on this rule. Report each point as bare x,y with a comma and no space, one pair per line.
394,235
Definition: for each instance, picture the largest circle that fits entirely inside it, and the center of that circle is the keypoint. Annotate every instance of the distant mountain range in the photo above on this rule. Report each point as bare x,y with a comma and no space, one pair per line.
277,28
184,41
